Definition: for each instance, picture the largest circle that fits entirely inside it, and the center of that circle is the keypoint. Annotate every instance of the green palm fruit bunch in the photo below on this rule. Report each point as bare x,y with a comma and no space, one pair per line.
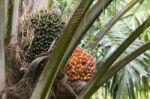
38,31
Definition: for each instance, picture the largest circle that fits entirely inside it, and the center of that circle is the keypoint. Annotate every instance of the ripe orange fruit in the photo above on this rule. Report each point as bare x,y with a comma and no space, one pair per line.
80,66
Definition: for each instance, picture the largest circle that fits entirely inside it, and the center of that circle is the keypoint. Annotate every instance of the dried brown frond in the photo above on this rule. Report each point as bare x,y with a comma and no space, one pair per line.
14,60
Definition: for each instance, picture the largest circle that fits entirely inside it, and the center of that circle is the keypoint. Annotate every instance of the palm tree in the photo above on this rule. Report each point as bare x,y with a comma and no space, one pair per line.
114,43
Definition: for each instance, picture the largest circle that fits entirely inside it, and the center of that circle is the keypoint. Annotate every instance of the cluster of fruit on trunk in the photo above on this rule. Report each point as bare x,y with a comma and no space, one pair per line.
81,65
38,32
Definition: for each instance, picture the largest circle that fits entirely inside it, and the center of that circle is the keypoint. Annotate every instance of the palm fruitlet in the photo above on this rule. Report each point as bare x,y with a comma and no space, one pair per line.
81,66
38,31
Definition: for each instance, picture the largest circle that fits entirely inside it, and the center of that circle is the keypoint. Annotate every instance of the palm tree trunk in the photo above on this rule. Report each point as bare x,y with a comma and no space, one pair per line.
2,31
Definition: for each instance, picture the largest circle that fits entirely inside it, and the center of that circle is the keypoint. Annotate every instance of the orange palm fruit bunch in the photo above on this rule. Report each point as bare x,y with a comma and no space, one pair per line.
80,66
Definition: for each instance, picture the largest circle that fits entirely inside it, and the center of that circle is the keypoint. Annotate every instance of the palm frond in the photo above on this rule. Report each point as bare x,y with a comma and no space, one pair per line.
54,62
9,22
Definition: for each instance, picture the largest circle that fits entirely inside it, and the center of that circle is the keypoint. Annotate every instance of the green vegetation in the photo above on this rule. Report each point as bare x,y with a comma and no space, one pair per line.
115,32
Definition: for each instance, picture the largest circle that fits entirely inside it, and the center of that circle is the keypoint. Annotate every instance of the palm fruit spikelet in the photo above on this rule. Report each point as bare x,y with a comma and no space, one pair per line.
38,32
80,66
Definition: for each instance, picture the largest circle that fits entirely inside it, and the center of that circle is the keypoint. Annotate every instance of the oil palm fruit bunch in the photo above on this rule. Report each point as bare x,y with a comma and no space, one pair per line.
38,31
81,66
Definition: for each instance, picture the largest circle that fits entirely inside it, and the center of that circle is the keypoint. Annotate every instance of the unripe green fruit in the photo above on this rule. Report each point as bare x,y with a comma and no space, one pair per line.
38,31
